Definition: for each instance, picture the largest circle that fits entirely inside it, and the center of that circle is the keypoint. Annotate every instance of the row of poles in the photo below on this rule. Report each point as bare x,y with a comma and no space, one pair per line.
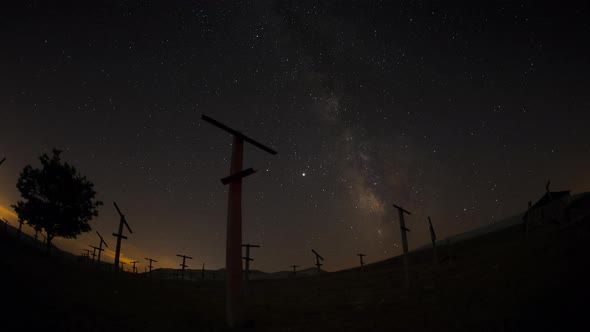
233,253
234,290
234,287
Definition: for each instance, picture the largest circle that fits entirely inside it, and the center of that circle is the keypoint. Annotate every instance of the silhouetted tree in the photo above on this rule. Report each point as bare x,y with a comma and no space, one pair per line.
56,199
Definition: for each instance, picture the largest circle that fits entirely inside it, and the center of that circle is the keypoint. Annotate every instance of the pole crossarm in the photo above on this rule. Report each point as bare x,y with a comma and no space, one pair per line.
238,176
239,134
401,208
123,220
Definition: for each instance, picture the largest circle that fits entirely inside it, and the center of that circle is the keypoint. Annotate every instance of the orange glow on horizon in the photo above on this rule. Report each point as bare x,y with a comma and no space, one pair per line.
4,212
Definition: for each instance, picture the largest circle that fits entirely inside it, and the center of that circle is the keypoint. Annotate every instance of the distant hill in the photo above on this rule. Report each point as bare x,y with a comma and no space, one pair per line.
579,201
497,281
196,275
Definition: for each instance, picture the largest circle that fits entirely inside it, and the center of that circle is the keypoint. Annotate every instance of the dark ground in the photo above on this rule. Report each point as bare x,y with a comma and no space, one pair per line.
498,282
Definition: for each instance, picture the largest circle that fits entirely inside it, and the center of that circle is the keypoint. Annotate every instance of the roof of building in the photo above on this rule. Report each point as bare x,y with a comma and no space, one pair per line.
546,199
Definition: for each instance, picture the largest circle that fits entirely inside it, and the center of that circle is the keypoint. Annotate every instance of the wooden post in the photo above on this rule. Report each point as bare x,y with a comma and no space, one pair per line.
248,259
317,260
433,239
93,253
404,230
361,257
233,246
87,255
134,268
150,266
183,265
100,249
233,252
119,235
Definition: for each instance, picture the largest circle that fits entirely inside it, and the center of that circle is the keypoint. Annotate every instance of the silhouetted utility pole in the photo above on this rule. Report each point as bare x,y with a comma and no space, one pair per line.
404,230
361,257
100,249
433,239
294,269
247,258
183,265
317,260
122,263
203,272
134,268
87,255
93,252
150,266
119,236
233,252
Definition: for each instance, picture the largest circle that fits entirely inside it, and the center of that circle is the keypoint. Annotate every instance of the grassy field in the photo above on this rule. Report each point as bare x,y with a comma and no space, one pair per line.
497,282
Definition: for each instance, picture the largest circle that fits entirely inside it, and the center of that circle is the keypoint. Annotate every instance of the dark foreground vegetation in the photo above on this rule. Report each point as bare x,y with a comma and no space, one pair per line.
497,282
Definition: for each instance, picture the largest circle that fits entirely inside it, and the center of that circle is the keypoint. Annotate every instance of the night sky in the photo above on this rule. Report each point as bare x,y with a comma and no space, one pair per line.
461,112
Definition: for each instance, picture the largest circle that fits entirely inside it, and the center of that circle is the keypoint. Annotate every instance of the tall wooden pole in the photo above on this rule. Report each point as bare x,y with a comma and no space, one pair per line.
134,267
317,260
93,253
361,258
87,255
100,249
405,246
233,253
433,239
150,266
248,259
233,245
119,235
183,265
404,230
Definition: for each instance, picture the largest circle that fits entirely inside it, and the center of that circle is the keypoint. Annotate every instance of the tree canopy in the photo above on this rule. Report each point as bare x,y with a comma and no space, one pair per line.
56,198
